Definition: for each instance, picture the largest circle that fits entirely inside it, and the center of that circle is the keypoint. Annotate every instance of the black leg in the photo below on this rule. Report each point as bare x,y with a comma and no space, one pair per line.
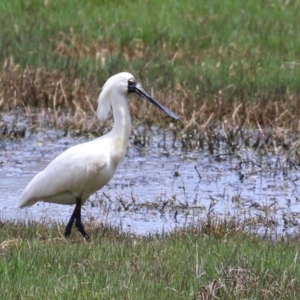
78,222
70,223
76,215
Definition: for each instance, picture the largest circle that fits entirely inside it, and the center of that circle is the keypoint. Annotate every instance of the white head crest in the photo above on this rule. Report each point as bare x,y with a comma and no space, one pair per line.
104,100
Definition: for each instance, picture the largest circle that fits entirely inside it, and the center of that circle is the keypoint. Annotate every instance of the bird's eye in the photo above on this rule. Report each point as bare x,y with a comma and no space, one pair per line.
131,81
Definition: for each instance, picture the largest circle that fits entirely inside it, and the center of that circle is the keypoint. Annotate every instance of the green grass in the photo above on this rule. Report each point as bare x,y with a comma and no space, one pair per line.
37,263
191,53
206,47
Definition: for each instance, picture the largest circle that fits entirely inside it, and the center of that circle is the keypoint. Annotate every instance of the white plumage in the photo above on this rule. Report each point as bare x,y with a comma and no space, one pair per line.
85,168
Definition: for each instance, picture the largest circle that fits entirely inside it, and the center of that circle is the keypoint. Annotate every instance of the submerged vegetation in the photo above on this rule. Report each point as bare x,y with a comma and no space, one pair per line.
230,70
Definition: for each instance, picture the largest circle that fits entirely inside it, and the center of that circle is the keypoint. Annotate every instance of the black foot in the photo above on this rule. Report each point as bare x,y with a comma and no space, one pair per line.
76,216
81,229
67,232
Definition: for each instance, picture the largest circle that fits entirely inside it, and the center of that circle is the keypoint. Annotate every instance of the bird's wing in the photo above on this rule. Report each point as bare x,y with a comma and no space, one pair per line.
70,172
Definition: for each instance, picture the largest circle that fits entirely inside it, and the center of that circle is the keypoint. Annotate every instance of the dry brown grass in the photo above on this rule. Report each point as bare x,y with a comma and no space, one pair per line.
240,282
69,102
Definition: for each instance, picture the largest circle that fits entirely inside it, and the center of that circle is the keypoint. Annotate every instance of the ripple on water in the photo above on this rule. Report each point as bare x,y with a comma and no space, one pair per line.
158,190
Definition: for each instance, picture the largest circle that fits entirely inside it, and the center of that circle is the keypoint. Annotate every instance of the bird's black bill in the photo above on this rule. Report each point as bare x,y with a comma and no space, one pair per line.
137,88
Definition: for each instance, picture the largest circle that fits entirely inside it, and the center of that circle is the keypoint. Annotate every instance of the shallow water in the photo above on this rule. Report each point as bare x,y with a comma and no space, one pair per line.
159,188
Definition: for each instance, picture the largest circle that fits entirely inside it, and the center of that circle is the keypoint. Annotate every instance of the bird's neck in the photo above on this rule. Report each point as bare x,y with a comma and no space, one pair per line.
122,122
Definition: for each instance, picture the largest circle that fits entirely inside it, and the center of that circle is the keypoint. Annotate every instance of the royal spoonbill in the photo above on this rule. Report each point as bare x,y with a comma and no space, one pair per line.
85,168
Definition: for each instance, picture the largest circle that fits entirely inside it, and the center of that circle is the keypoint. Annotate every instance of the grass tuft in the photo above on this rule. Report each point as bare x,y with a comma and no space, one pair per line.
188,264
231,62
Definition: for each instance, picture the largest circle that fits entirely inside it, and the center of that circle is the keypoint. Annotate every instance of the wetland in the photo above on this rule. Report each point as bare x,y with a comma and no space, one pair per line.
169,181
203,208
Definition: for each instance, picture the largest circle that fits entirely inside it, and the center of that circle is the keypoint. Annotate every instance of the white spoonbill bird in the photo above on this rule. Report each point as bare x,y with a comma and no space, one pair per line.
85,168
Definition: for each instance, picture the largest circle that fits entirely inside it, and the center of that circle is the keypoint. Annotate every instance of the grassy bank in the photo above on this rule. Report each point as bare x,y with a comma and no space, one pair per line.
37,263
222,67
202,59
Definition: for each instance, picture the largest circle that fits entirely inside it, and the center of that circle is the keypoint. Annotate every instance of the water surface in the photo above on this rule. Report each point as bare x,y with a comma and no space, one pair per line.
159,189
